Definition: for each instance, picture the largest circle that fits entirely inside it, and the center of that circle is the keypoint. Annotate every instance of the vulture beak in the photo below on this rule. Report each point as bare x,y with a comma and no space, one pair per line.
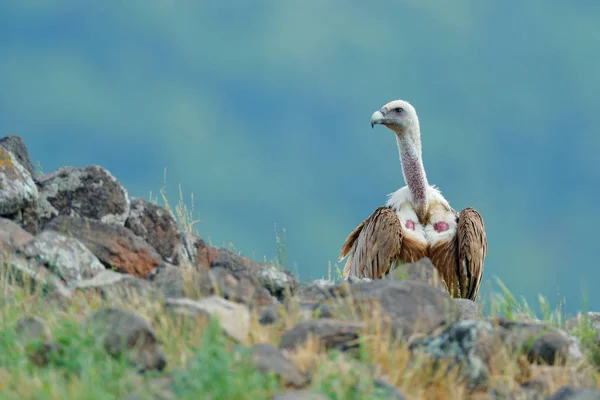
376,118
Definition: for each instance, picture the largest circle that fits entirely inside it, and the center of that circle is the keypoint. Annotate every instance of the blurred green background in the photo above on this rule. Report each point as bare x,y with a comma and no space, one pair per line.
261,110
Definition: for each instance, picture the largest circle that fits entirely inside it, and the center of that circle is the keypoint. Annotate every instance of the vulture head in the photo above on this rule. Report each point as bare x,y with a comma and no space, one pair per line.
398,115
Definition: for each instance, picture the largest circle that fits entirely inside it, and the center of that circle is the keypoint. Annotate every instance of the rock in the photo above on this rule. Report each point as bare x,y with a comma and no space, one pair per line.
268,316
218,281
187,282
157,388
111,284
411,307
572,393
204,257
590,320
17,147
115,246
331,334
18,191
299,395
267,359
177,282
33,329
278,283
157,226
12,236
90,192
316,291
64,256
383,388
126,333
542,344
233,318
196,252
468,344
468,309
504,392
546,379
420,271
28,273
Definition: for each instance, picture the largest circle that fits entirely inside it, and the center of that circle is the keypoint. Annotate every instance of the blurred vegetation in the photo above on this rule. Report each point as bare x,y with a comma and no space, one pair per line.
261,111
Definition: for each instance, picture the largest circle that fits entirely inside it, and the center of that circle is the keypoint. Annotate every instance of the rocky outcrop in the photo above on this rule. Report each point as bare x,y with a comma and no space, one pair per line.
126,333
75,233
64,256
234,318
115,246
90,192
18,192
157,226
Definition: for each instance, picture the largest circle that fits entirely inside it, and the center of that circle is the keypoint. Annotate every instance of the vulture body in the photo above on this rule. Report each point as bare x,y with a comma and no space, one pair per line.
417,221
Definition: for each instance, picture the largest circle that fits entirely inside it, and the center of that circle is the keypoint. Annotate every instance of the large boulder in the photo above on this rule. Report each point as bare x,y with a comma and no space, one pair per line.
124,333
280,284
17,147
113,285
18,192
473,344
12,236
188,282
31,274
330,333
269,359
90,192
233,318
65,256
409,307
157,226
115,246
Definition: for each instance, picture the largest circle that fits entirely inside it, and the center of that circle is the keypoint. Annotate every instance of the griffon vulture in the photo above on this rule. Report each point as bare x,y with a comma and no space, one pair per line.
417,221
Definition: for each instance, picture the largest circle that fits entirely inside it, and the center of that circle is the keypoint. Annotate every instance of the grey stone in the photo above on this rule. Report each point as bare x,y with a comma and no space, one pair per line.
91,192
468,309
409,306
30,274
267,359
384,388
17,147
468,343
572,393
421,271
126,333
591,319
12,236
233,318
157,226
114,285
542,343
115,246
299,395
331,333
32,328
18,191
66,257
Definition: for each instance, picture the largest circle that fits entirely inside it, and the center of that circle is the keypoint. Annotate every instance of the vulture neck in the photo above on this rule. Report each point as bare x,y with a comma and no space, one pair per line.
409,146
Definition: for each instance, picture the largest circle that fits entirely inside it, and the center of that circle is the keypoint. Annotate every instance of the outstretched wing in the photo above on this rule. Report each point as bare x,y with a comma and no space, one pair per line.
472,249
373,245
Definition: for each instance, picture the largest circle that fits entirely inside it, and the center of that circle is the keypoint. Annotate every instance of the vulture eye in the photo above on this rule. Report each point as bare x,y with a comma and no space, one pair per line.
399,110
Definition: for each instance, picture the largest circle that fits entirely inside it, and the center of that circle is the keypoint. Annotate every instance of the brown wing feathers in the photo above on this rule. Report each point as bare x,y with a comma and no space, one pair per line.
472,249
376,242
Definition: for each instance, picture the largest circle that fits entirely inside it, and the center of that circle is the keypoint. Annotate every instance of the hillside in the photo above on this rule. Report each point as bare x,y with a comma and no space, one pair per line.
105,296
